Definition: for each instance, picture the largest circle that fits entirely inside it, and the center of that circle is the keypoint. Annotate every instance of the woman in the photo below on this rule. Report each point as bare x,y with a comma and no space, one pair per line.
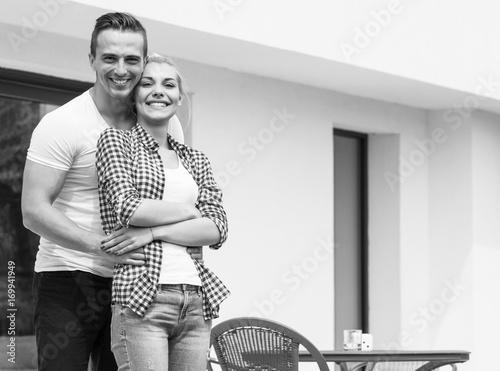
162,311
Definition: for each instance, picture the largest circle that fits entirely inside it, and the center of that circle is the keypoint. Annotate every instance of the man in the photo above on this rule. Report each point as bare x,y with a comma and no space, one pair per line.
60,203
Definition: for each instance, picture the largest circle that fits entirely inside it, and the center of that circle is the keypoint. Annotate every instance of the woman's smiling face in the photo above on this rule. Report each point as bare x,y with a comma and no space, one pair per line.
157,95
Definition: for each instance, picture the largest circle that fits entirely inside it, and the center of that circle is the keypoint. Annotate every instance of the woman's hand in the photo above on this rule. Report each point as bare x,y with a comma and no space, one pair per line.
125,240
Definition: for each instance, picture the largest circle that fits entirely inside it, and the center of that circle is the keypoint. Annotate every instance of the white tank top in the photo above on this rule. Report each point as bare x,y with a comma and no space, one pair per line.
177,265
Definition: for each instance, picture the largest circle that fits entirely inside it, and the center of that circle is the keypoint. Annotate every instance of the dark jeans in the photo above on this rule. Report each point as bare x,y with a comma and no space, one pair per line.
72,319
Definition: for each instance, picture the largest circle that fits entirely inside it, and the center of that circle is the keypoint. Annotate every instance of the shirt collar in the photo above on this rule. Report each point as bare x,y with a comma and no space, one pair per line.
176,146
145,138
151,143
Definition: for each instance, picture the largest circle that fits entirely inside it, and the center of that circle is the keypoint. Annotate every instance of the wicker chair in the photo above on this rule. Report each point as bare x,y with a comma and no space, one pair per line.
249,343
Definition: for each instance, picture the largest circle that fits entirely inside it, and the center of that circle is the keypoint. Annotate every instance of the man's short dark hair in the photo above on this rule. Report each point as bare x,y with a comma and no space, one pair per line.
117,21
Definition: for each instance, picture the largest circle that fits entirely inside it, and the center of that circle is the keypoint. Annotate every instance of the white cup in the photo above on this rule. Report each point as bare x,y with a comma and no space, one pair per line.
352,340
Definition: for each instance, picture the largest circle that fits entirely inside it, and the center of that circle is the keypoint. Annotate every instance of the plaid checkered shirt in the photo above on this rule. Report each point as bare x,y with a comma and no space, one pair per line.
130,169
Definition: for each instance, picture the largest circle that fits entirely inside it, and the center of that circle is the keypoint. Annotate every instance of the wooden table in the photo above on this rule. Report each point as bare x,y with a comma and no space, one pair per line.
352,360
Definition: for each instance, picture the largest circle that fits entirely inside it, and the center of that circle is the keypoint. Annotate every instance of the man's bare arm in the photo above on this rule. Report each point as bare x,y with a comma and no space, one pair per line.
41,186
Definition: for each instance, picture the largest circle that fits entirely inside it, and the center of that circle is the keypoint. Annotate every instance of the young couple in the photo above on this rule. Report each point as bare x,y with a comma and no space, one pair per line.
105,161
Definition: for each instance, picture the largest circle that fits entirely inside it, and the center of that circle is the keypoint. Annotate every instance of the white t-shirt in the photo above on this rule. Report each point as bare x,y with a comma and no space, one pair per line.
177,266
66,139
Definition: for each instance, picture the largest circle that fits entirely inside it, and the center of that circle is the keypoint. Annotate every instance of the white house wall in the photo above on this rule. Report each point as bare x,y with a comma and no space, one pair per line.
485,250
446,43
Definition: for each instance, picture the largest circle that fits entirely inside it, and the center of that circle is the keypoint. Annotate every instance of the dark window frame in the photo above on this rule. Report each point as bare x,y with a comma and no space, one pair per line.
39,88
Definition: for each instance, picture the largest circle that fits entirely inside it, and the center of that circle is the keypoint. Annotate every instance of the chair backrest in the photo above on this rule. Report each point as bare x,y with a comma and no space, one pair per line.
251,343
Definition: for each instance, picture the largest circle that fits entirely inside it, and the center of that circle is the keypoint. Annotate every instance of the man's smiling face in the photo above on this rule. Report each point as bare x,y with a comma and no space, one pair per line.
118,62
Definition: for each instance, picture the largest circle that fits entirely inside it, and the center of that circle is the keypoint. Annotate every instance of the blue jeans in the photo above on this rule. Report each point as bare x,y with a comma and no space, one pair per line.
72,317
172,335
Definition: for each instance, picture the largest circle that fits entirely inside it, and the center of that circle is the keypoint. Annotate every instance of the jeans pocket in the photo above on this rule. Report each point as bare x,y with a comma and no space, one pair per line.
129,313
